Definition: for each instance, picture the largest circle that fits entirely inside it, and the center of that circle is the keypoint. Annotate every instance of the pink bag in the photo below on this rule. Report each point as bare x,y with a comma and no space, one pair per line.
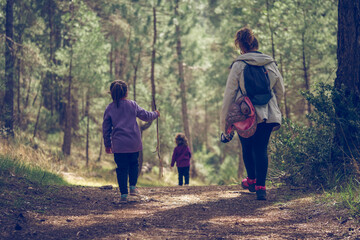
241,117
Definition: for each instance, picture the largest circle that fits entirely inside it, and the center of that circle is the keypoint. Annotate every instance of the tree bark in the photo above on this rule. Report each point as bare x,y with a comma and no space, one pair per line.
87,115
9,70
182,86
38,117
100,151
206,125
286,107
145,126
306,72
111,61
347,81
136,66
18,69
153,92
348,51
270,28
27,94
68,112
142,127
51,49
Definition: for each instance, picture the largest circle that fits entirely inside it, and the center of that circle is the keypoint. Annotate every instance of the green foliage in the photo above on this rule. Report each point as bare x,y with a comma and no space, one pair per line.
310,155
12,167
346,196
302,155
214,172
350,196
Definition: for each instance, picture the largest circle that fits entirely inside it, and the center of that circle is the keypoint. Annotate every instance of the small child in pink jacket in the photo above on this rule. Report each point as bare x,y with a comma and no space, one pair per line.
182,156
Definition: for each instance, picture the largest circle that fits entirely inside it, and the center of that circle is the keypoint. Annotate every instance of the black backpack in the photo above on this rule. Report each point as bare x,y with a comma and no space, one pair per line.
257,84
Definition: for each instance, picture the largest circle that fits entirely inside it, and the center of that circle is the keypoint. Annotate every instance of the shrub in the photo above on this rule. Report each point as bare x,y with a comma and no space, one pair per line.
309,156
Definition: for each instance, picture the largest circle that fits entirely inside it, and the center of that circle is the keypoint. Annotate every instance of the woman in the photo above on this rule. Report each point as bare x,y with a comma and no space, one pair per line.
268,115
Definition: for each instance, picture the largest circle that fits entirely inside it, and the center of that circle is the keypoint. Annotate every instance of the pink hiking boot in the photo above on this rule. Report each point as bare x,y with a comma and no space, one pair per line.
248,183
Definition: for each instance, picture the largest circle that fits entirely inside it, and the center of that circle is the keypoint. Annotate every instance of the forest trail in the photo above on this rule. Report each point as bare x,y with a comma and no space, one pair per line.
192,212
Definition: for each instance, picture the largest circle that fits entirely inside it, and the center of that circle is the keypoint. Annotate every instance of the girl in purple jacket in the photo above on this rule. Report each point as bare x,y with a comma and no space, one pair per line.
122,135
182,156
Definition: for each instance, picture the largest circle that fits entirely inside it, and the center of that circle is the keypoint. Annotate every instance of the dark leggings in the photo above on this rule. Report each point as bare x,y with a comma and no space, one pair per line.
127,165
183,172
255,153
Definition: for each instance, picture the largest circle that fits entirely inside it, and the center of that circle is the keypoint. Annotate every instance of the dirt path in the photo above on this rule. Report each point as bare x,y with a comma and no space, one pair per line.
212,212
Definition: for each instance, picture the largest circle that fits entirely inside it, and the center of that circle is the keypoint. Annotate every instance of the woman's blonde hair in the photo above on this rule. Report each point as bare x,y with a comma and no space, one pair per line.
181,139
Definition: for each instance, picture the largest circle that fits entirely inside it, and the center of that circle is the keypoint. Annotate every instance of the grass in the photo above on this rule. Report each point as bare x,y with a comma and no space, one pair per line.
34,174
347,196
350,196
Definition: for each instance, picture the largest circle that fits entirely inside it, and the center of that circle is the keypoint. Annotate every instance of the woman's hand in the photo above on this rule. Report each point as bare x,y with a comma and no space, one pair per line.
157,112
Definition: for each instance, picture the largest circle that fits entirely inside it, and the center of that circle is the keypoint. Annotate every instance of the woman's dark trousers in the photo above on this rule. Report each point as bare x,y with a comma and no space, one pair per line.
127,165
255,153
183,173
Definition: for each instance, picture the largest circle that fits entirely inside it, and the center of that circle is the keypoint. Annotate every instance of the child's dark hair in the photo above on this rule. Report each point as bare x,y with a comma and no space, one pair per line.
181,139
118,90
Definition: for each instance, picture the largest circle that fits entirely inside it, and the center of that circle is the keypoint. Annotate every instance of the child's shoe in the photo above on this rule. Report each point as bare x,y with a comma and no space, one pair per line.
260,192
124,198
248,183
134,191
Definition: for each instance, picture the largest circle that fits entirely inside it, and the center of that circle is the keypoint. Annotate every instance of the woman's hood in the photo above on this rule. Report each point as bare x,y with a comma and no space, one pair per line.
255,58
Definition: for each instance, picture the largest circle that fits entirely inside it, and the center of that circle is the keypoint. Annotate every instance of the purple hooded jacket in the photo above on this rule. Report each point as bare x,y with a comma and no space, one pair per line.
120,129
181,156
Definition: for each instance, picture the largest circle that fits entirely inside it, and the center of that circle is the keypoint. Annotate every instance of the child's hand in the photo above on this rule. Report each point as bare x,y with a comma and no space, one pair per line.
108,150
157,112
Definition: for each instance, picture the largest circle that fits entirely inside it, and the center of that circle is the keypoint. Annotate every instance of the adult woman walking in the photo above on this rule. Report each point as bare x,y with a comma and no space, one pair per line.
268,115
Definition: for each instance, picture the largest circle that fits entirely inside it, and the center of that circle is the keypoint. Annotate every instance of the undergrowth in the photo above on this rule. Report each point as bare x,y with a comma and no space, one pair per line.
14,168
326,154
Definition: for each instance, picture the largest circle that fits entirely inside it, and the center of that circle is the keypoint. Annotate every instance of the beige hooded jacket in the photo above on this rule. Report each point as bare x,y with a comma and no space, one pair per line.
269,112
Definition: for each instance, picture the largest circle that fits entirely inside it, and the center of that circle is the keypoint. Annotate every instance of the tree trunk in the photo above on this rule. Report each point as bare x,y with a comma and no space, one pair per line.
142,127
306,73
206,126
66,148
9,70
87,115
51,49
270,28
37,118
286,107
27,94
18,69
348,51
183,87
348,81
153,92
116,59
145,126
136,66
111,61
100,151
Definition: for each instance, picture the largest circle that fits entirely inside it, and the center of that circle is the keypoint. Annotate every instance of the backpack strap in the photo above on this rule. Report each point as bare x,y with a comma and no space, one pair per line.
237,61
244,68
